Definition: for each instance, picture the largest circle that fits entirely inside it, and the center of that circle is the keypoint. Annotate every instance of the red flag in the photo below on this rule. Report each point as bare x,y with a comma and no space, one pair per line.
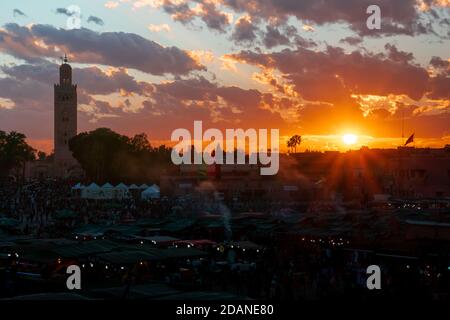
410,139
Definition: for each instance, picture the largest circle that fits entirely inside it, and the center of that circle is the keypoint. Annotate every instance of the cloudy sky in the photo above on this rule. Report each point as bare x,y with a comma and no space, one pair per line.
308,67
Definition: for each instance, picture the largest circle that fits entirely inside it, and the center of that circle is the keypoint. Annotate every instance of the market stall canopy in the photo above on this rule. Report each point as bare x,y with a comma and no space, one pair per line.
122,191
121,186
91,191
78,186
130,256
140,291
93,186
50,296
65,214
150,193
143,186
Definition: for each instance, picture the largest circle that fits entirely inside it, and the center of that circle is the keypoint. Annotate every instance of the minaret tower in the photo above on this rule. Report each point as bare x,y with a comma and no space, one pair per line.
65,109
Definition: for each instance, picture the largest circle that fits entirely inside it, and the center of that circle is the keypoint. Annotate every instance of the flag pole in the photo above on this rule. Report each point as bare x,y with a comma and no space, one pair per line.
403,127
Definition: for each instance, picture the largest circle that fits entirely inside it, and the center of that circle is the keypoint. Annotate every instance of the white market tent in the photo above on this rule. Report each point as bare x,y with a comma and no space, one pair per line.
154,186
107,191
121,186
78,186
91,191
133,187
122,191
143,186
150,193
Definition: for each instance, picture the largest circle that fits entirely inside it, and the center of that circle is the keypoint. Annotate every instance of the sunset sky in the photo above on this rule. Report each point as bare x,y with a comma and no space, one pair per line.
308,67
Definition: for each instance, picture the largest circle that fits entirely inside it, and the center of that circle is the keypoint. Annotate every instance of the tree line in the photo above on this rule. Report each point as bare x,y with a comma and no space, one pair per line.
103,154
107,156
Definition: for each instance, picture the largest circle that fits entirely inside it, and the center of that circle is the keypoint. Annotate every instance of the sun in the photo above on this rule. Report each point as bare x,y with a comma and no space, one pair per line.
349,139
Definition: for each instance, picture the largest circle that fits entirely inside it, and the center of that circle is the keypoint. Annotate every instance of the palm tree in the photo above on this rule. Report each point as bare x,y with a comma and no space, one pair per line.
289,144
294,141
14,152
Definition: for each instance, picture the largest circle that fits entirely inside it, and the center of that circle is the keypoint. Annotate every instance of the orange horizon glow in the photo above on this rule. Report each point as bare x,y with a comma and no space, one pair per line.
318,143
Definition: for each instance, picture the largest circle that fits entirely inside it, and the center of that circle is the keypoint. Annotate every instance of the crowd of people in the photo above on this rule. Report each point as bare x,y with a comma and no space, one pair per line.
284,269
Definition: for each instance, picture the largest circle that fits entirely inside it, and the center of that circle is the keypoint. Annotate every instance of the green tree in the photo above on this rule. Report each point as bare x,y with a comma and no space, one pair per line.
98,153
41,155
14,153
108,156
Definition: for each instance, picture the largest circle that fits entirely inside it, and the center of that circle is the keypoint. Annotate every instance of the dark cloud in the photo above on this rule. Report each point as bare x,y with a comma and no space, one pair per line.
398,17
440,63
244,31
91,80
95,20
353,41
117,49
209,13
213,18
396,55
284,35
65,12
18,13
273,37
334,75
176,104
439,87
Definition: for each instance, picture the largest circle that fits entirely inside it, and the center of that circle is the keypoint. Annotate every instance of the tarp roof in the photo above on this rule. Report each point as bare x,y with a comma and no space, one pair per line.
51,296
107,186
65,214
150,190
78,186
85,248
93,186
159,239
130,256
142,291
203,295
182,253
178,225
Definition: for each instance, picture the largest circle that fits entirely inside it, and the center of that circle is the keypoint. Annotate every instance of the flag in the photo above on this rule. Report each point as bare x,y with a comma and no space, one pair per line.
410,139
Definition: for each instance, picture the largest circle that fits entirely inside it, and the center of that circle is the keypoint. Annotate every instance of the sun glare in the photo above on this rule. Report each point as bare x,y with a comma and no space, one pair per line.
349,139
